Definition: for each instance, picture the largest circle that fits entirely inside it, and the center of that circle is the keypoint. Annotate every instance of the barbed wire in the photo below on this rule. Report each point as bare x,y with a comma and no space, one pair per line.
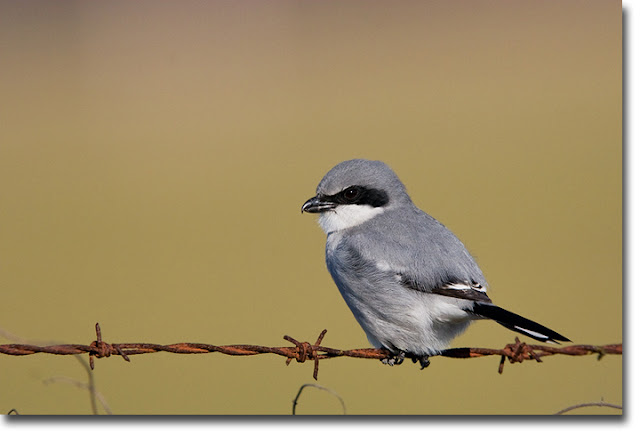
302,351
90,385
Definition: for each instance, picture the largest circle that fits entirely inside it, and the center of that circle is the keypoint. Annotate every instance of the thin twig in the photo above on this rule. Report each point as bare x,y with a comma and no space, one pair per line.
91,387
81,385
598,404
312,385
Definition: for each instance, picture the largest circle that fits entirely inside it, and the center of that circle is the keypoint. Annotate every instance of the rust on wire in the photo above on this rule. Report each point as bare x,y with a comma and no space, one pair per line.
302,351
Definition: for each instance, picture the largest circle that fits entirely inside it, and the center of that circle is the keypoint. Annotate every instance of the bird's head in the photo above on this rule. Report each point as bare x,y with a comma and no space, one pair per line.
353,192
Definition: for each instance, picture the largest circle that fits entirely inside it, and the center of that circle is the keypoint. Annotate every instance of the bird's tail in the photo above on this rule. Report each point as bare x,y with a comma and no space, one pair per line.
518,323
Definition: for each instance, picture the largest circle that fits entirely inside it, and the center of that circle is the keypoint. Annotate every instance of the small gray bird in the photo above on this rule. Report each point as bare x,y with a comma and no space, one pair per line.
408,280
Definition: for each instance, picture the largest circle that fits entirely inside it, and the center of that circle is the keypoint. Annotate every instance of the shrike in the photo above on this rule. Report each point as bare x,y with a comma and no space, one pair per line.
410,283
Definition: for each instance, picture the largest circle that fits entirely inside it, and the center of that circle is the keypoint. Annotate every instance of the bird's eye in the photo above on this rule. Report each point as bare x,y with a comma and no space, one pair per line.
351,193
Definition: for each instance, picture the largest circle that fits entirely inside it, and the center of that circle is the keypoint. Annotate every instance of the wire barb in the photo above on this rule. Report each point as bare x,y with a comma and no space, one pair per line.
303,351
101,349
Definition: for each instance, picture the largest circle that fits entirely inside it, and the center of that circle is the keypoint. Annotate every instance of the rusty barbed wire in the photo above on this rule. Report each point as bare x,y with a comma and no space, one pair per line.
302,351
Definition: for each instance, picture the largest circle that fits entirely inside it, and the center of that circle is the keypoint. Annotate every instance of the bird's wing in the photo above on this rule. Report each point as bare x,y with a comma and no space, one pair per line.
426,257
422,254
461,289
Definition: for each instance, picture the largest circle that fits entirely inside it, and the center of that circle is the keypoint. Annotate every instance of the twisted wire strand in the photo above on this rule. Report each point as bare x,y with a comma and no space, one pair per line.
301,351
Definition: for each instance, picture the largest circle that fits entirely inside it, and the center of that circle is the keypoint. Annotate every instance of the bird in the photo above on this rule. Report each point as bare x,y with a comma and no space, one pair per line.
409,281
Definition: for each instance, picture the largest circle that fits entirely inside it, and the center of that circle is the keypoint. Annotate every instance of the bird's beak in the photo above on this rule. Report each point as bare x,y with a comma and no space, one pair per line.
317,205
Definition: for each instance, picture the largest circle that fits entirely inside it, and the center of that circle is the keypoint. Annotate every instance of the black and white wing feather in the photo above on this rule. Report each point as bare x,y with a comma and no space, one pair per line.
463,290
484,308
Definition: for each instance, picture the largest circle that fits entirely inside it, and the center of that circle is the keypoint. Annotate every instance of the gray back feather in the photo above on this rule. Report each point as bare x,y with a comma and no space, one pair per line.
416,245
404,237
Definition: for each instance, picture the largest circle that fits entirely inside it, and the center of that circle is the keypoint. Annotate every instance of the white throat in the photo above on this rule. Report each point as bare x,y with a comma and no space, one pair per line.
347,215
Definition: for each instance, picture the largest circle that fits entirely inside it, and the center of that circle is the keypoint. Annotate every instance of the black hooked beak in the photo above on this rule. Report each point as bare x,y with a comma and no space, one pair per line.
318,204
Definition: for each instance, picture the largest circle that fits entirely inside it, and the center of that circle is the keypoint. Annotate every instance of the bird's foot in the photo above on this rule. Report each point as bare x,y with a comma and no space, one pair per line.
424,361
396,359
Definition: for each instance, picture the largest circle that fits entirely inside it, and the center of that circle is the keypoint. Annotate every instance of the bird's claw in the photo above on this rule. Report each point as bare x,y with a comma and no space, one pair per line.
396,359
424,361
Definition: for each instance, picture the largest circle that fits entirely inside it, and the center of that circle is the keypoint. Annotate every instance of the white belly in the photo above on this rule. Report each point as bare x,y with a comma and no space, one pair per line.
397,318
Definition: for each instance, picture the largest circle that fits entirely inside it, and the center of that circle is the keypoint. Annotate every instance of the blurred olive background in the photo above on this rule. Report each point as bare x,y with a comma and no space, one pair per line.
154,157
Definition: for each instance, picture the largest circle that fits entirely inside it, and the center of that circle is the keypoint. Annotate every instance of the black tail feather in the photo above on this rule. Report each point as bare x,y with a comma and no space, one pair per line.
518,323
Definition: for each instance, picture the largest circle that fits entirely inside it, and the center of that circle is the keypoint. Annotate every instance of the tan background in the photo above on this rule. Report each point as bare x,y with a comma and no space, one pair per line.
154,157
